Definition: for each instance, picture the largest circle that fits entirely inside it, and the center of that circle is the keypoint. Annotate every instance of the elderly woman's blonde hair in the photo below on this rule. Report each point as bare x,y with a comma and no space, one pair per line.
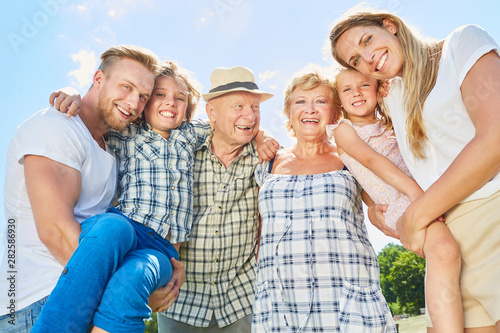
307,82
171,70
420,67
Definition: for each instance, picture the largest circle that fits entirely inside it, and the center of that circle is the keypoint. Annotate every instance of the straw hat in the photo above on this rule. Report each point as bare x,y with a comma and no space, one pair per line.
226,80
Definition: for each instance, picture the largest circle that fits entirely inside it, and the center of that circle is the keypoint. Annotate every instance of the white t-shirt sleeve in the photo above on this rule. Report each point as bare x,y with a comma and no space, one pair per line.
467,44
50,134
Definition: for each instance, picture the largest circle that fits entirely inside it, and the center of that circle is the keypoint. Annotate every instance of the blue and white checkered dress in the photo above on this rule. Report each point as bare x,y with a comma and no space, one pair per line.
317,271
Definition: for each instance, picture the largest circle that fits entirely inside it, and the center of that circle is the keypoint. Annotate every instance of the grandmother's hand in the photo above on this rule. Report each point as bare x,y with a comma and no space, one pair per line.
163,298
377,218
66,100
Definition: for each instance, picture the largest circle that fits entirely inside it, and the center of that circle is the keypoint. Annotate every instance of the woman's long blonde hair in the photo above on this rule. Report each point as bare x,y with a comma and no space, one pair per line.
420,68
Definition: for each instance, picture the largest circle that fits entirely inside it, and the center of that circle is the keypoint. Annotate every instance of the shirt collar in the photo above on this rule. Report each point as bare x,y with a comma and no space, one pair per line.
149,135
248,149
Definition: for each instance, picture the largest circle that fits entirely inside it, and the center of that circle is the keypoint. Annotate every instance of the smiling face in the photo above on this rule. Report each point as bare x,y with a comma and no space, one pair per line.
167,108
311,111
373,50
235,117
358,96
123,92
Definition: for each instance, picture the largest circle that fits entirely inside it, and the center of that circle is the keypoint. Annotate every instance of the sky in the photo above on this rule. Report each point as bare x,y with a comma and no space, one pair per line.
49,44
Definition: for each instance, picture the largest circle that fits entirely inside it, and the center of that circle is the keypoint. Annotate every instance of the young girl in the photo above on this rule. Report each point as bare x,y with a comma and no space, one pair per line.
367,146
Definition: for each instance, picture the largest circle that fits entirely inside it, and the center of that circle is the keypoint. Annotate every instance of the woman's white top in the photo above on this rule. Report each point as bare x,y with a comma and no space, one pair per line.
447,123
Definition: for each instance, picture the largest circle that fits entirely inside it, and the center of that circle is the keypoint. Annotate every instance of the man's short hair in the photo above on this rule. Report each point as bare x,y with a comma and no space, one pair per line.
142,55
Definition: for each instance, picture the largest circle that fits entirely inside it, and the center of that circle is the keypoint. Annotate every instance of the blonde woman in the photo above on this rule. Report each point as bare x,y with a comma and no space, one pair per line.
447,119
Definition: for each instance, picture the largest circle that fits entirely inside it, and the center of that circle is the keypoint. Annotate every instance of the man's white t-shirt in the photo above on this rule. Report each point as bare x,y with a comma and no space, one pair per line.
447,124
50,134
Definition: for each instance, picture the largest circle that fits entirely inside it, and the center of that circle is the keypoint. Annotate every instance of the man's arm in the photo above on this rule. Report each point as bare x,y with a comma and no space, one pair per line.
53,190
163,298
267,146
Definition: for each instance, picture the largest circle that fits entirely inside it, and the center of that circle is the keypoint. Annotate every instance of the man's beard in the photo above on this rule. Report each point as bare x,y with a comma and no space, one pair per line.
106,109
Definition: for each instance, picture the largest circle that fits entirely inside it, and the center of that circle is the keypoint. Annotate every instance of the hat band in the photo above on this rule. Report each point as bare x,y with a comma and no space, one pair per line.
234,85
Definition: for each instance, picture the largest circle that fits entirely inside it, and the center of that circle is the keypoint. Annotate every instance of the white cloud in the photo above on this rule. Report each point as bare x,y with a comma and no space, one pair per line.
104,35
204,20
113,8
267,75
83,7
234,18
273,87
327,72
88,64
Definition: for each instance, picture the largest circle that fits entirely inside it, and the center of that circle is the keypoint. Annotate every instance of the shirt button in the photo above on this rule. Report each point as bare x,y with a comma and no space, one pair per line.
172,213
150,233
220,165
170,145
219,208
223,186
215,259
173,187
65,270
217,233
170,167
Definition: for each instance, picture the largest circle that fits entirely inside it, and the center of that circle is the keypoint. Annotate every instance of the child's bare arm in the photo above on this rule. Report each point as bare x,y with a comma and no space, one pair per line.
347,138
66,100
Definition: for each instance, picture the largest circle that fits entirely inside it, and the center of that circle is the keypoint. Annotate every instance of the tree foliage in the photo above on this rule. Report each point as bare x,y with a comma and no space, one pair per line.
151,324
402,275
386,258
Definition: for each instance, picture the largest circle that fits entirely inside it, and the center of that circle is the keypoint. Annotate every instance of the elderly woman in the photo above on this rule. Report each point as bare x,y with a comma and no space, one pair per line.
444,103
317,270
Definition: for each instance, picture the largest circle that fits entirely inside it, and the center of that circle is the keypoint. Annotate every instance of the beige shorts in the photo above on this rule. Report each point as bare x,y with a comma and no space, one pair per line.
476,228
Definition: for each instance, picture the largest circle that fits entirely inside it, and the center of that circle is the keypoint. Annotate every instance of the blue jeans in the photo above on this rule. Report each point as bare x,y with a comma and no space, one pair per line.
24,318
109,278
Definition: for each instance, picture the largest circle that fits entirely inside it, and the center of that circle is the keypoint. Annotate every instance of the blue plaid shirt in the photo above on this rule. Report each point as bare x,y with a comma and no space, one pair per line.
155,182
220,256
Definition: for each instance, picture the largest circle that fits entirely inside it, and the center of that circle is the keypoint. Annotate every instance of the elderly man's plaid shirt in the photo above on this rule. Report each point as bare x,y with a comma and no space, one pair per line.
155,185
220,256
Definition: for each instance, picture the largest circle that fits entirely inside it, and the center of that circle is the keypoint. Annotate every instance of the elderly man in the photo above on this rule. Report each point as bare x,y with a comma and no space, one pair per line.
61,172
220,256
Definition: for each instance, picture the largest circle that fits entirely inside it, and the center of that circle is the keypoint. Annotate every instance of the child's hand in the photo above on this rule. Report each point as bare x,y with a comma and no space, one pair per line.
383,88
267,146
377,218
67,100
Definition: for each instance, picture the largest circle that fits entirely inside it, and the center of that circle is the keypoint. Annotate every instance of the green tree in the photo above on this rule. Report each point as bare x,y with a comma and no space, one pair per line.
151,324
386,258
407,276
